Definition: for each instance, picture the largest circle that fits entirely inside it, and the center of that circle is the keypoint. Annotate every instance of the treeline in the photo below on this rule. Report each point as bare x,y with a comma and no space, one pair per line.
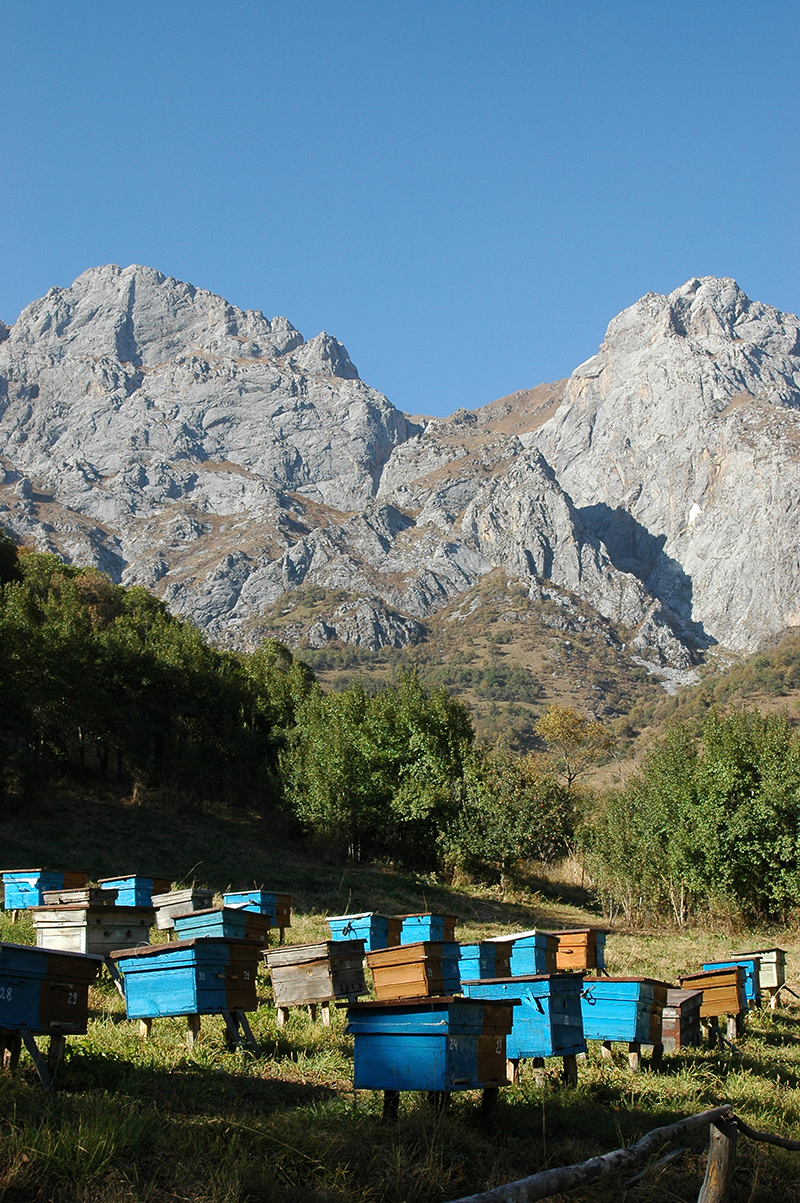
710,826
102,684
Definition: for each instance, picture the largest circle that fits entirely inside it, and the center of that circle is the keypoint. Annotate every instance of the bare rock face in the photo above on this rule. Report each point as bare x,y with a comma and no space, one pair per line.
211,454
678,443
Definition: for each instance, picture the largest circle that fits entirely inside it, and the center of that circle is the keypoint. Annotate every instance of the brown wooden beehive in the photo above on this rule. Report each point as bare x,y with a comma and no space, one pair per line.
680,1019
317,973
419,970
581,948
723,990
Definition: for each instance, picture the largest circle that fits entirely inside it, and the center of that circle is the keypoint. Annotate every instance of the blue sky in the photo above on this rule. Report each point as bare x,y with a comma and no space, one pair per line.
464,193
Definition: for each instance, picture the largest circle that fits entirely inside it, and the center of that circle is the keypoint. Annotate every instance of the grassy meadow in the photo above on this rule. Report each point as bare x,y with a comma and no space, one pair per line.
136,1120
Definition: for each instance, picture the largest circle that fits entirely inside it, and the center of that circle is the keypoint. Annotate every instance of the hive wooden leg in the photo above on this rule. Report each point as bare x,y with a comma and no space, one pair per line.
713,1031
282,934
391,1104
571,1070
283,1016
326,1014
538,1070
145,1026
733,1026
192,1030
606,1051
634,1054
657,1059
312,1012
489,1102
249,1038
512,1071
55,1055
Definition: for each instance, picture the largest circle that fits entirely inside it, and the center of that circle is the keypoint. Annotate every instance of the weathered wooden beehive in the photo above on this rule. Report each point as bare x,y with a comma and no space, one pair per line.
548,1021
427,927
189,977
771,970
376,930
310,974
723,990
488,959
81,927
529,952
43,993
751,966
23,888
135,889
441,1044
223,922
88,896
180,902
680,1020
266,902
581,948
624,1008
415,970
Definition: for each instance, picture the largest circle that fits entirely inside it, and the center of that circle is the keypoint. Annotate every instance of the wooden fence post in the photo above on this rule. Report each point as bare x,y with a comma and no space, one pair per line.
717,1183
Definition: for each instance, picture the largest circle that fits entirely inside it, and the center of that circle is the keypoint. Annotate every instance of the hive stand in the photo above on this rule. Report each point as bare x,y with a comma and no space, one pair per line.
635,1054
569,1073
11,1043
440,1101
238,1034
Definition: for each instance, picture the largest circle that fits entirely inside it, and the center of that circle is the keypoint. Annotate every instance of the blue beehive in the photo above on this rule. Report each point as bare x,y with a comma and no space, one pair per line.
623,1008
752,970
547,1020
438,1044
42,991
436,928
23,888
189,977
277,906
530,952
376,930
483,960
135,890
223,922
451,973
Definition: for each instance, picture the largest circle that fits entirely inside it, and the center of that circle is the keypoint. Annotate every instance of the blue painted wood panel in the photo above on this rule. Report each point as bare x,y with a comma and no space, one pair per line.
24,888
44,991
615,1009
548,1022
426,927
195,977
369,926
752,965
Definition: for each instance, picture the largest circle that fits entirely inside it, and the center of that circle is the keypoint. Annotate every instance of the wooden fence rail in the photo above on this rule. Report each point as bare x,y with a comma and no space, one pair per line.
725,1128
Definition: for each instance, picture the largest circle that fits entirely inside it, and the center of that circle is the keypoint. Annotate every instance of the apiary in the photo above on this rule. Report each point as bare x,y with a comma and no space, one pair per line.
189,977
623,1008
82,927
223,922
426,927
180,902
771,970
529,952
484,960
23,888
751,965
135,890
547,1017
376,930
723,990
415,970
277,906
581,948
307,974
680,1020
440,1044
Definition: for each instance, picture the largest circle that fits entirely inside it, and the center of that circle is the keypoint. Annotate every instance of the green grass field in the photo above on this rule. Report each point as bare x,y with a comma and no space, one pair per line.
152,1120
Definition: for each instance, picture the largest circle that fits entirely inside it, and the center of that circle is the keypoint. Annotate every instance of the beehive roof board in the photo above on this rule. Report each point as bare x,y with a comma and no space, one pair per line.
752,965
189,977
623,1008
266,902
427,967
723,990
180,902
89,896
316,973
43,991
437,1044
547,1020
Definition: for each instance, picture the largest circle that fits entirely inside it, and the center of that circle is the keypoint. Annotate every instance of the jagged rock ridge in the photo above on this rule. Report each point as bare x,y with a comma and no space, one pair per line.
173,440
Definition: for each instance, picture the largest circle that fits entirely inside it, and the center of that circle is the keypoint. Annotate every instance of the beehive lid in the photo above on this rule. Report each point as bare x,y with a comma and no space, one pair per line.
48,952
299,954
405,954
204,942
